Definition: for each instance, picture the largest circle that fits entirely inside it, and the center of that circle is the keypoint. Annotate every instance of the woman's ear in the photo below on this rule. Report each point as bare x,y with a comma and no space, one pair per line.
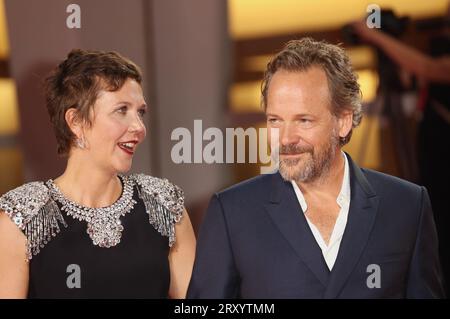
74,123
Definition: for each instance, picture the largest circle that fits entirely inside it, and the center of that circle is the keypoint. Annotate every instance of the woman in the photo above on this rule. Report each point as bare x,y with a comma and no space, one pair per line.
95,232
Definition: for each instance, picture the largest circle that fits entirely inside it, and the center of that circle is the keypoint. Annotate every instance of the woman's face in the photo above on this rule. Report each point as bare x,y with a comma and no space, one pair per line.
117,127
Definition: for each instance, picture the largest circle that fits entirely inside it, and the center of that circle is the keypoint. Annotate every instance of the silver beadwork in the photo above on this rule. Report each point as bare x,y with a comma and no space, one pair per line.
32,209
164,203
103,224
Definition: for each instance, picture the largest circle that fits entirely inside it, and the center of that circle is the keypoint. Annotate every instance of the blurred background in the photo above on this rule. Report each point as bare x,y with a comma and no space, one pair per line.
202,59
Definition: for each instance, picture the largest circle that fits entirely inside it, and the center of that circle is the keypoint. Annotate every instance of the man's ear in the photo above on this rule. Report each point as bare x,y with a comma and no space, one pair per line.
74,122
345,122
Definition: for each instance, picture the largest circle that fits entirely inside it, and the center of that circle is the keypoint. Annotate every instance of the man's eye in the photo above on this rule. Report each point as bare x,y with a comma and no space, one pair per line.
272,120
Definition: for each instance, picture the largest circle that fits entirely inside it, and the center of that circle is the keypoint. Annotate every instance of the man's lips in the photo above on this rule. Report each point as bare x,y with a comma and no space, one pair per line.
297,155
290,154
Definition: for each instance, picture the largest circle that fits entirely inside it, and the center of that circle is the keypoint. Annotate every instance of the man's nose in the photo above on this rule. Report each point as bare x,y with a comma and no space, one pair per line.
288,135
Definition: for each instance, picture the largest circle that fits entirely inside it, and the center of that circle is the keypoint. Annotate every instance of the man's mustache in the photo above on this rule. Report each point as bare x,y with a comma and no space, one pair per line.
293,149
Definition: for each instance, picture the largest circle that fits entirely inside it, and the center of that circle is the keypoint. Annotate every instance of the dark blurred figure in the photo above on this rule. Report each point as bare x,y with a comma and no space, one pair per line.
434,130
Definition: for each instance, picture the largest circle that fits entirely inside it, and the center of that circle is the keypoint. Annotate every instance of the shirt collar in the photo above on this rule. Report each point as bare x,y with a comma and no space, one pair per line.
344,195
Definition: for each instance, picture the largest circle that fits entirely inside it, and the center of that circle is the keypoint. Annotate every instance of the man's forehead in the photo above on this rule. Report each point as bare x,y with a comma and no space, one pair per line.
310,86
313,75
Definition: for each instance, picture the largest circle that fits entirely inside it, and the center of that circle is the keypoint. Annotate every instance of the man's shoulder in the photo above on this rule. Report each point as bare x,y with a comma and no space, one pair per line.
382,183
255,186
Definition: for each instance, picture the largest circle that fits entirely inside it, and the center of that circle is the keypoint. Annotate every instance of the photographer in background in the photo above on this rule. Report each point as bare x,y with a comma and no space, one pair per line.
434,131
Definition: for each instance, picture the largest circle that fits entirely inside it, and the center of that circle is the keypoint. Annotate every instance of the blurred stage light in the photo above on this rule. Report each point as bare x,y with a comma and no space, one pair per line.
9,117
259,18
4,48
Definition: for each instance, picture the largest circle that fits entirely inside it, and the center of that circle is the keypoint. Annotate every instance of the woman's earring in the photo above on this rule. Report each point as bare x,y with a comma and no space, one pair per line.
80,143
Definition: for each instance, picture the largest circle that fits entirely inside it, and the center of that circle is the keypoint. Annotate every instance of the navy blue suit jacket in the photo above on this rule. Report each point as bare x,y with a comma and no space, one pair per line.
255,243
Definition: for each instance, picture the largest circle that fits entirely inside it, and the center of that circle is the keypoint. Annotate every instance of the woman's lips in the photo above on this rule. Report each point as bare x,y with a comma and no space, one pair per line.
126,150
128,147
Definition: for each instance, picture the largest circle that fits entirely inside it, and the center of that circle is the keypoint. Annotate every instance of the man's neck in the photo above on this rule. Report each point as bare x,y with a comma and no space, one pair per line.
329,182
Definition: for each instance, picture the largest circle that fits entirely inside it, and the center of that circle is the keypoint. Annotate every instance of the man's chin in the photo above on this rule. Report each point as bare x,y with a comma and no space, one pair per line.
295,170
289,173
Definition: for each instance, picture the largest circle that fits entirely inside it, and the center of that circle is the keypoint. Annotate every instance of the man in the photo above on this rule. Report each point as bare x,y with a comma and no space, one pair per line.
320,227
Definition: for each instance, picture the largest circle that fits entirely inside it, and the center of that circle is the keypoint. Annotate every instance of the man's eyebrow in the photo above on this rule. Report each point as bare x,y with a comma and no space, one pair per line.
295,115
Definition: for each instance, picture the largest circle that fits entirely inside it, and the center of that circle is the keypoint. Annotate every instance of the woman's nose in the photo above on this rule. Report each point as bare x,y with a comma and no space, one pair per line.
137,124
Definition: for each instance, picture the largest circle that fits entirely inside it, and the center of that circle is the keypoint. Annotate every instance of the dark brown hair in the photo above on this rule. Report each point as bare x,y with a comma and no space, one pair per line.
300,55
76,83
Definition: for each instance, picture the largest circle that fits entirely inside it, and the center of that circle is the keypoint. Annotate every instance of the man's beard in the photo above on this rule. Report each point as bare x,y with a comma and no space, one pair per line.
312,163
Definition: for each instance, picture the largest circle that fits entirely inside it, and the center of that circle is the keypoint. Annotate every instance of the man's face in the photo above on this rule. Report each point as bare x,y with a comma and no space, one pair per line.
298,104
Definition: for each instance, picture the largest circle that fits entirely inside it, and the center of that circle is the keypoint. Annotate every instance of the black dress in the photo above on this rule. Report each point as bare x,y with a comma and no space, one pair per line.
69,265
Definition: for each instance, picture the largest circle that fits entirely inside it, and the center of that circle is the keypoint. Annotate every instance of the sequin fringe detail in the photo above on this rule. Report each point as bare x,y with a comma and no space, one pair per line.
159,216
43,227
34,210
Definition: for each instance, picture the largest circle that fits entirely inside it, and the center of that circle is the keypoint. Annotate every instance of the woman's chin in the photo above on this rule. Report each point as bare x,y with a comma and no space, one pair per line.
123,169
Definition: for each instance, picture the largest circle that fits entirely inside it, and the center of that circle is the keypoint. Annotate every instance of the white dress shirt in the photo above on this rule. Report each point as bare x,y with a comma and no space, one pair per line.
331,250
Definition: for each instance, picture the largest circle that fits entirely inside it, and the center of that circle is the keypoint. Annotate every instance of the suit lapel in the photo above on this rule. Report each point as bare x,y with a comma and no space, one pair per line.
361,217
286,213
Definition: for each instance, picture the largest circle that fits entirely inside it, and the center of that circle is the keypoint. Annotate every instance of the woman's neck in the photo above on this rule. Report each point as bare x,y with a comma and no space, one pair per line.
89,186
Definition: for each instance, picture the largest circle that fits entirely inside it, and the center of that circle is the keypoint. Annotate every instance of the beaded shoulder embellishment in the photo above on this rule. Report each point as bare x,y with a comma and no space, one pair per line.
103,224
32,209
164,203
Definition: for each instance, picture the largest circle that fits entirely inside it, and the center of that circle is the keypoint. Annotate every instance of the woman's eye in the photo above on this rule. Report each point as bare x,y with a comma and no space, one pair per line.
142,112
272,120
122,110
